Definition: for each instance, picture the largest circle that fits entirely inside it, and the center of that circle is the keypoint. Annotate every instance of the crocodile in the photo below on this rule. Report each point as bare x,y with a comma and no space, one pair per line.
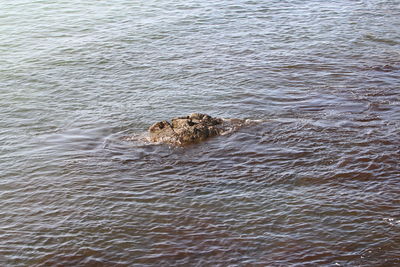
196,127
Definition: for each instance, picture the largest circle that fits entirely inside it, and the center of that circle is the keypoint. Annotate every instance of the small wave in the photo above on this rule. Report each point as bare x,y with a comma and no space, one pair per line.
382,68
371,37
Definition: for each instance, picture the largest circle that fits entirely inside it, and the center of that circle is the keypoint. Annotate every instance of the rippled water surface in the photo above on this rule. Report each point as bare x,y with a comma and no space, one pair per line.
316,183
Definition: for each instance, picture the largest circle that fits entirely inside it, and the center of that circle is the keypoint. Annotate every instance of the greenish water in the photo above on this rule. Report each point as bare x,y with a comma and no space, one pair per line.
316,184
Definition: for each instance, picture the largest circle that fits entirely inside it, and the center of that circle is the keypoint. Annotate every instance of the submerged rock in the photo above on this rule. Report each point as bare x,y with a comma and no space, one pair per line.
191,129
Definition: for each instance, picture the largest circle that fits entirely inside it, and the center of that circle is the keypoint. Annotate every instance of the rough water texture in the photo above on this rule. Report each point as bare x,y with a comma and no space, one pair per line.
315,183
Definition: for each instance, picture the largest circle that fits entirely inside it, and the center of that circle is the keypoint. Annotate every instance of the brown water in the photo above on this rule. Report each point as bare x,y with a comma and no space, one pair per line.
316,184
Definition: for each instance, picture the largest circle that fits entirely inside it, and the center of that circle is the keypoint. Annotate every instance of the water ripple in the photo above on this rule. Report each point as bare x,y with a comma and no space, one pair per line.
315,183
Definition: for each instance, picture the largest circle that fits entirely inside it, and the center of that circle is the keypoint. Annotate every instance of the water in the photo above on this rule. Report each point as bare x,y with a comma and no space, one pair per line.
316,184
